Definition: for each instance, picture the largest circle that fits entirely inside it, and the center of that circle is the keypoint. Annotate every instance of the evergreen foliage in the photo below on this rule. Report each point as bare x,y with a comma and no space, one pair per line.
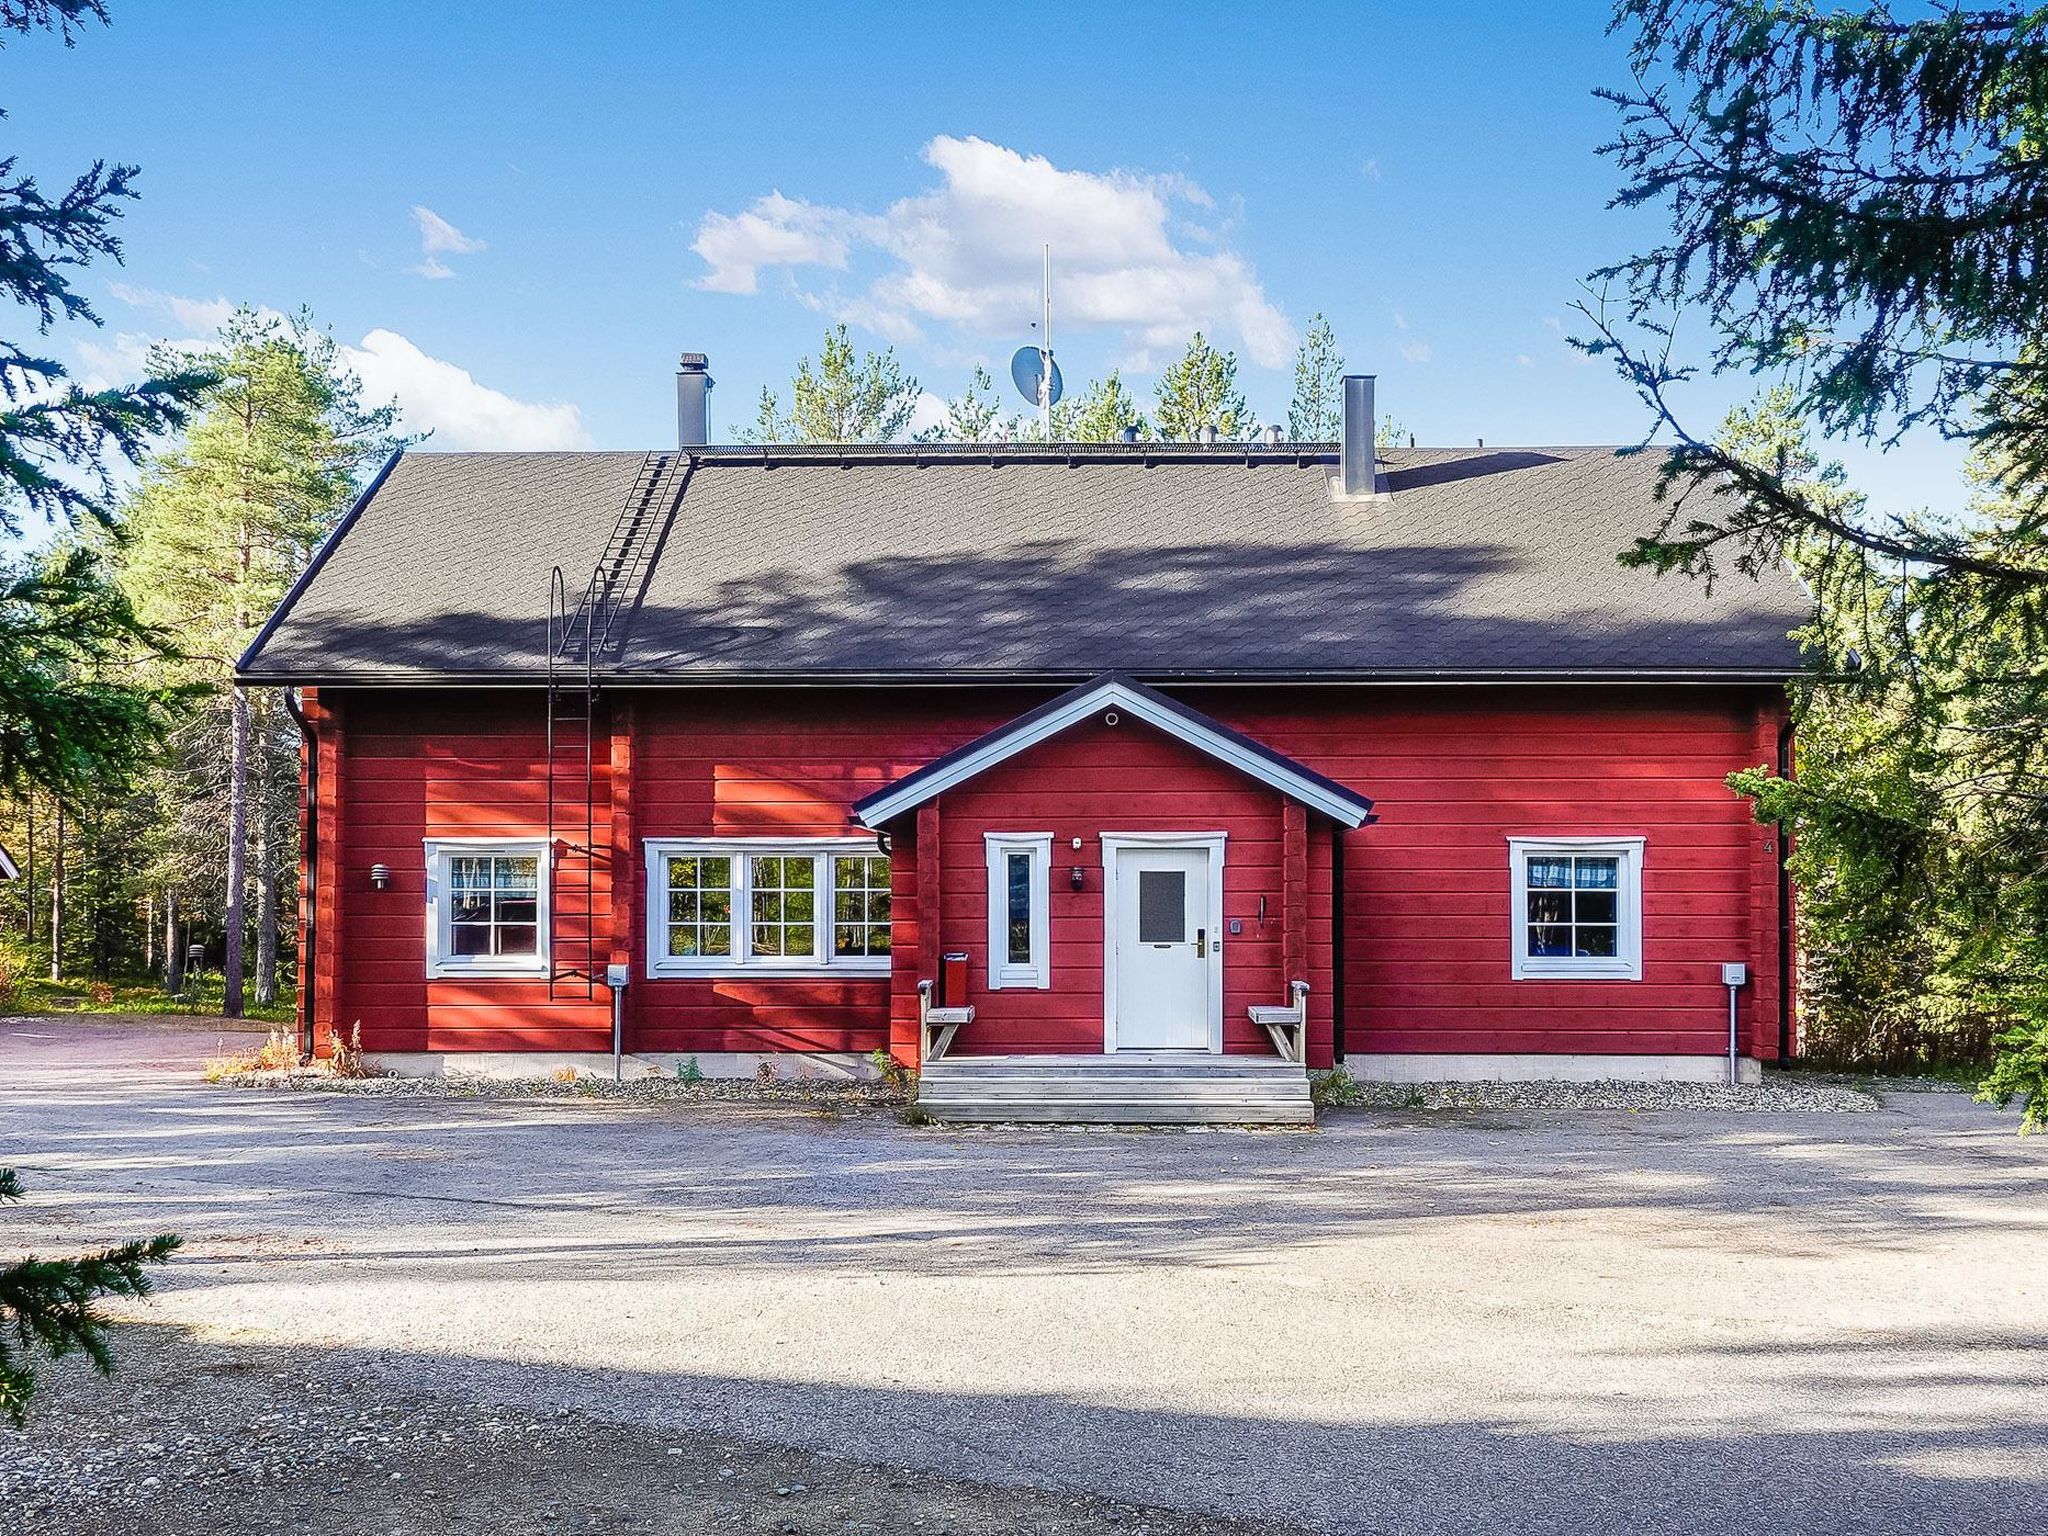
219,529
1316,414
843,397
1104,409
1859,206
46,1305
70,715
974,416
1199,389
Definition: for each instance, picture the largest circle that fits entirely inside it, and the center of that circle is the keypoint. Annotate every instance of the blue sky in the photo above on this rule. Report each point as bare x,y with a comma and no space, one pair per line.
516,216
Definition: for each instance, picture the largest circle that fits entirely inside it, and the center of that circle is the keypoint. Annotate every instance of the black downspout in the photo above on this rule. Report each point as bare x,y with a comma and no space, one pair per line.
1785,933
1337,943
309,854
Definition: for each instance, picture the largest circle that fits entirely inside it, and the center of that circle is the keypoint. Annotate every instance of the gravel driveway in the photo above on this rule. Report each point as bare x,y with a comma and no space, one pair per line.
1405,1321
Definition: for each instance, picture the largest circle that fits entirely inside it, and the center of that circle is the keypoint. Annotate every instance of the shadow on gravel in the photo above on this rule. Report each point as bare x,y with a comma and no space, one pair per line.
1909,1468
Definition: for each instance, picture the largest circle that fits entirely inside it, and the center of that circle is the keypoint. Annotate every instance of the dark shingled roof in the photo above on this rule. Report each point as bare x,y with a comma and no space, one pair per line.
934,563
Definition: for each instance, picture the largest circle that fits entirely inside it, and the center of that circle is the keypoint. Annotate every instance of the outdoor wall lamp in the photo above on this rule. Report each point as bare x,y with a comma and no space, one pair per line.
380,875
1076,878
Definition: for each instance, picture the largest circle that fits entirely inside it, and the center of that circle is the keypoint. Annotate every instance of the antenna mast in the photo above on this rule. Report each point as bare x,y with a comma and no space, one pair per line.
1045,346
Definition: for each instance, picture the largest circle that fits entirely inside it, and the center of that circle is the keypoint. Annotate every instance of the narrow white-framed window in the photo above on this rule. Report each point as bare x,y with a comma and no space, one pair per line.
1577,910
755,906
487,906
1019,901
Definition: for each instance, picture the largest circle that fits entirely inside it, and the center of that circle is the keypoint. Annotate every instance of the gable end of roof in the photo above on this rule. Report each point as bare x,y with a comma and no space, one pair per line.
1116,691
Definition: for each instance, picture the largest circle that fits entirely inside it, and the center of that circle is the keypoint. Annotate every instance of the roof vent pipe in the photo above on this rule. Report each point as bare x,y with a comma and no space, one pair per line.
1208,433
693,403
1360,461
1128,433
1273,436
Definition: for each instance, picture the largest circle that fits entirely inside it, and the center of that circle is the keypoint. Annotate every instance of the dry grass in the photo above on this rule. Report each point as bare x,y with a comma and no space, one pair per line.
347,1059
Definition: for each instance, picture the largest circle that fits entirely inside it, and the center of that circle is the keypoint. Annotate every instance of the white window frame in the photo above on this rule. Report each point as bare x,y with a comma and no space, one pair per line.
1627,962
442,961
741,962
1002,971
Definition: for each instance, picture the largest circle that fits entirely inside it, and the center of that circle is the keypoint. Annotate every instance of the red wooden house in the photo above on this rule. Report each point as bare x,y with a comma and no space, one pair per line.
1208,761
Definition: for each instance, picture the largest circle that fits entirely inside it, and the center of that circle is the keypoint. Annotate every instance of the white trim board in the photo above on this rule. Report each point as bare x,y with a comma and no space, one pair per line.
1184,725
659,965
444,966
1003,973
1112,843
1627,962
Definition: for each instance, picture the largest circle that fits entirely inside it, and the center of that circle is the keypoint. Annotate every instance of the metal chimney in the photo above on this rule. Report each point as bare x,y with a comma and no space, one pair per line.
1360,461
693,404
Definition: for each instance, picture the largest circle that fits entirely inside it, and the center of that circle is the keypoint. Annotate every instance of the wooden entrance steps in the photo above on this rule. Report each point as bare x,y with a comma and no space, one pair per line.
1130,1088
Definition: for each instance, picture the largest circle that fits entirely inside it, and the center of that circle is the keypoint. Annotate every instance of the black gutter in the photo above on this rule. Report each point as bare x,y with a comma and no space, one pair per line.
309,855
1220,677
1337,943
1786,936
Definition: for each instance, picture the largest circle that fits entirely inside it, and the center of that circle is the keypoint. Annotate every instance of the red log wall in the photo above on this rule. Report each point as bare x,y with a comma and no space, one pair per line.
1454,772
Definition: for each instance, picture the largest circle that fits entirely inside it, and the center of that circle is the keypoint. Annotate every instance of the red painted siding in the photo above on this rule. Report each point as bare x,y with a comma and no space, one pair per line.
1454,772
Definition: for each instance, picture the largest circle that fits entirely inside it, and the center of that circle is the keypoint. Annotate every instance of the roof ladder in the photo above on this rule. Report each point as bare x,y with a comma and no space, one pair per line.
580,640
571,864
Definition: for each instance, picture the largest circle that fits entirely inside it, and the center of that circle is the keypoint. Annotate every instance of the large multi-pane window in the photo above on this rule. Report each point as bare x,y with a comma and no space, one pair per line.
486,907
1577,907
765,905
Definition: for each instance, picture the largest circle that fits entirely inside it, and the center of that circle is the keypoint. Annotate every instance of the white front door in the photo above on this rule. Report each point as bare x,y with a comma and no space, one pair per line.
1162,944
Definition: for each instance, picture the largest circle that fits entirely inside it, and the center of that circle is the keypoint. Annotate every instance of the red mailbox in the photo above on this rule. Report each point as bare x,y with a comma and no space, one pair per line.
953,981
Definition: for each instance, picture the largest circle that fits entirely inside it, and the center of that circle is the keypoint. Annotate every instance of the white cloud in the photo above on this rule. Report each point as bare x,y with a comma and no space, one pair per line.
966,254
433,395
437,396
193,314
928,413
1417,351
777,231
1525,360
1370,170
439,238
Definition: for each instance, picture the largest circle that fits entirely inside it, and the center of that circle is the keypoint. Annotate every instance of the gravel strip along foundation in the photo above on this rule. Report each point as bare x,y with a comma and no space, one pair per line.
1772,1097
194,1439
1765,1098
826,1093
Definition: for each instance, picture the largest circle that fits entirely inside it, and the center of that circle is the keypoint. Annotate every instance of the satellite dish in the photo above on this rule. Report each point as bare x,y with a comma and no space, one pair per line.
1027,368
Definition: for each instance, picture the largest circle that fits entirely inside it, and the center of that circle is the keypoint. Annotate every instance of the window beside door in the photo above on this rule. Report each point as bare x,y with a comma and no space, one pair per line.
1577,908
1019,940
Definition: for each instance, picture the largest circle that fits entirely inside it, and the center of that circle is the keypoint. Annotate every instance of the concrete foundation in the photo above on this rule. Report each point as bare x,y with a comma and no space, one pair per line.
1543,1068
828,1066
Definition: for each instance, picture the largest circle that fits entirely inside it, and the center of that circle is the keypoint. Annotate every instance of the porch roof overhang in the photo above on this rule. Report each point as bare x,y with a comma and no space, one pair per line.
1115,691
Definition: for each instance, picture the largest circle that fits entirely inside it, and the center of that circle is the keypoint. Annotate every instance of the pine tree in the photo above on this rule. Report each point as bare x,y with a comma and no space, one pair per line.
67,720
46,1305
974,415
1200,390
220,528
841,398
1104,410
1317,412
1857,205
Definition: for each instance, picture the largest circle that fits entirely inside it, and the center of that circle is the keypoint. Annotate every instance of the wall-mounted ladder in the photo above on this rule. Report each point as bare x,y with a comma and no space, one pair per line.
583,637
